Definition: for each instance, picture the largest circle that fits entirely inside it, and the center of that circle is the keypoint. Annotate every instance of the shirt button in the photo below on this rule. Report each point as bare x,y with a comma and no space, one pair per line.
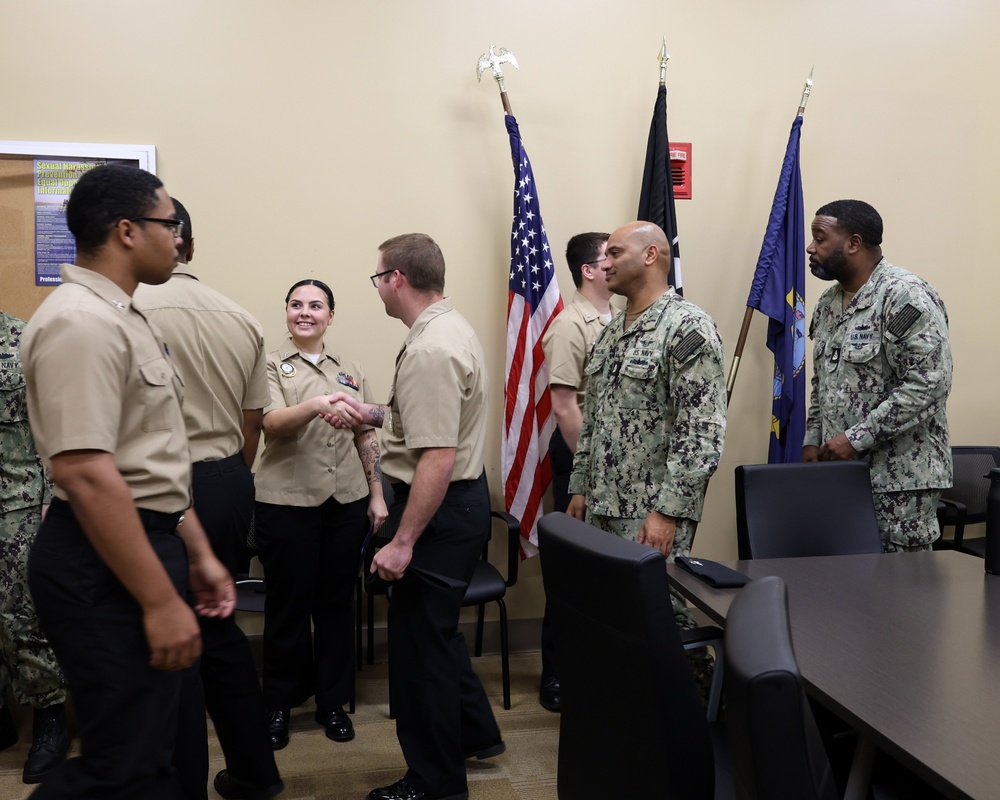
329,469
329,444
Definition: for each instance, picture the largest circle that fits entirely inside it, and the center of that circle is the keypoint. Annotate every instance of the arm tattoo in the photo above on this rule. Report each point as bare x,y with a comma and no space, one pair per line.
366,443
377,415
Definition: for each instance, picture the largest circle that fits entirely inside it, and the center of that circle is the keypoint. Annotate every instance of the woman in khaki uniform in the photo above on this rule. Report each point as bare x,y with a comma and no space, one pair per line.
318,490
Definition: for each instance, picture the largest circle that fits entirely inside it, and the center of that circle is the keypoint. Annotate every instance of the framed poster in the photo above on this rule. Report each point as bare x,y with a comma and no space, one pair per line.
35,181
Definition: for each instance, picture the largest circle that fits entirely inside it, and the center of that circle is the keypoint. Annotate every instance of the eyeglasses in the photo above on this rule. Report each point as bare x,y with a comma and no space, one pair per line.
375,278
176,225
597,261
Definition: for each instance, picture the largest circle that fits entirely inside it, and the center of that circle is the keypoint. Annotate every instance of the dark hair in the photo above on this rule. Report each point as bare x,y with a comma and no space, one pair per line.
418,257
104,196
187,233
855,216
312,282
583,249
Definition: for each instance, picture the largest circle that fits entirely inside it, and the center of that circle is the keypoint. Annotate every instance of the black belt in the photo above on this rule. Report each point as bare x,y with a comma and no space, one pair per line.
151,520
220,467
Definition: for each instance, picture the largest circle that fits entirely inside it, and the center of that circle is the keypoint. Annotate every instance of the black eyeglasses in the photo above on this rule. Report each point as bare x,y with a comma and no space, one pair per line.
176,225
598,261
377,275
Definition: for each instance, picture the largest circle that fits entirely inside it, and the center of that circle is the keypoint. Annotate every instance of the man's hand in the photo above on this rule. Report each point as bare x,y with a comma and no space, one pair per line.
658,532
577,507
343,411
173,635
392,560
838,449
212,587
377,511
810,452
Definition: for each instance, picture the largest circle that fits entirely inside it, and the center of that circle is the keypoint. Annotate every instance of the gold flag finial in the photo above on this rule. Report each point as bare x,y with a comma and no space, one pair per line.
664,58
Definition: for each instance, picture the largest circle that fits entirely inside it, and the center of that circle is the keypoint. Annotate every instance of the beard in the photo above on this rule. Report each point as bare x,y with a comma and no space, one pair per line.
833,269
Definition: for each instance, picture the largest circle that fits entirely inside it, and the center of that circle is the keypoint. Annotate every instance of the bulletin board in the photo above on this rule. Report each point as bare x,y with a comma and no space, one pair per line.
35,178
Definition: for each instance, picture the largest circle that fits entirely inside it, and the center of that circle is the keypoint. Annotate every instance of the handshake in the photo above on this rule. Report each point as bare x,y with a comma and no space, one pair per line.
345,412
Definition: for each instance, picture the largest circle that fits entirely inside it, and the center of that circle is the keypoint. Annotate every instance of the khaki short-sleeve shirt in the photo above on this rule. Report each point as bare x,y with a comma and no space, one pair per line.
99,378
218,348
319,461
569,341
439,395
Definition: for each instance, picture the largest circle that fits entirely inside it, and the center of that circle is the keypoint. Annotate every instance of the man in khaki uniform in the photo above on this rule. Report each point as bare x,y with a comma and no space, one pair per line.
116,554
218,349
432,451
567,343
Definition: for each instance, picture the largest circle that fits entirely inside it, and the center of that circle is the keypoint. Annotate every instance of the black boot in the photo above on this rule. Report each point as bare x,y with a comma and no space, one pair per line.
50,741
277,727
8,730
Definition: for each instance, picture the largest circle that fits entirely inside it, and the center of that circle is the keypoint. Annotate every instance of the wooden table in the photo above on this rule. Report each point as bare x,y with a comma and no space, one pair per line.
904,647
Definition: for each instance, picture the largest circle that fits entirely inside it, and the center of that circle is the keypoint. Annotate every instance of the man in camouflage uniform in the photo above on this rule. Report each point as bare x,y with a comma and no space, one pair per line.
655,410
881,374
27,664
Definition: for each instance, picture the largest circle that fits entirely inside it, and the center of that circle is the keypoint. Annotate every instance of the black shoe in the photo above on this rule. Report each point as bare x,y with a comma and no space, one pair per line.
277,727
234,789
337,724
401,790
8,730
495,749
50,742
550,694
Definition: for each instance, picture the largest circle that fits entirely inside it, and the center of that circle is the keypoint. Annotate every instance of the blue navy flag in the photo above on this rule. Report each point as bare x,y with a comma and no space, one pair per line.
656,198
532,301
778,290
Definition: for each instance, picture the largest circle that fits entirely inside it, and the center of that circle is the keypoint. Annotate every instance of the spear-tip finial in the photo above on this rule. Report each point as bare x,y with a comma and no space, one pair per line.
664,58
806,91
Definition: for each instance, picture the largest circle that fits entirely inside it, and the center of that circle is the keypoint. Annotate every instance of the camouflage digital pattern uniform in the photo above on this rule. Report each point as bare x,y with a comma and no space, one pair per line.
654,423
882,373
27,663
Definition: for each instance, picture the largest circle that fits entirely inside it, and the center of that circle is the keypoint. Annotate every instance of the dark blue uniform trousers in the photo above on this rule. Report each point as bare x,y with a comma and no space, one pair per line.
441,708
126,710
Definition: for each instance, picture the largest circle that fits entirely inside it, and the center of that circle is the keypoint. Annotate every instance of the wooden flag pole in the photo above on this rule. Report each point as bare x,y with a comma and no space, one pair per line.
748,315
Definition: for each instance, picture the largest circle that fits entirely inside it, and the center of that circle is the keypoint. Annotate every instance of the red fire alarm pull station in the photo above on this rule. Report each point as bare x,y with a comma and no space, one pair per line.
680,169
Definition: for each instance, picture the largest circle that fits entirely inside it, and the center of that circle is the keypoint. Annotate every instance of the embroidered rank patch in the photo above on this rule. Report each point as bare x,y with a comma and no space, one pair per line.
347,380
688,346
904,320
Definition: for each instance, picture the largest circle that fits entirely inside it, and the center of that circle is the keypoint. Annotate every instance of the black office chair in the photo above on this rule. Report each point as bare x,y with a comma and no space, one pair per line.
488,585
250,589
965,502
623,669
788,510
776,748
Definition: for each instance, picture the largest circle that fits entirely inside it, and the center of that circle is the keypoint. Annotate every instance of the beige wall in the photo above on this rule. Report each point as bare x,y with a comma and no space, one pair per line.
302,134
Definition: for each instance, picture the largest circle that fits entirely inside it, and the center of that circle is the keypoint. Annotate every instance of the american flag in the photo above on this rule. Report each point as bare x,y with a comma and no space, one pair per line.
532,302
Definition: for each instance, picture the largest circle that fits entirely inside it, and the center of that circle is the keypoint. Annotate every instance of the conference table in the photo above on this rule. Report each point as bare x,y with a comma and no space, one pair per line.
904,647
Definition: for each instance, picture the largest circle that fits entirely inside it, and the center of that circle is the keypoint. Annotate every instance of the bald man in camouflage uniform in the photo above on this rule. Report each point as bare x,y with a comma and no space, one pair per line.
882,373
27,663
655,410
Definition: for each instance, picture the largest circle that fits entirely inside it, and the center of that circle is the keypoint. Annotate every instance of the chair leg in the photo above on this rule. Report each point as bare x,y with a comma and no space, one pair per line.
504,653
715,692
480,618
357,625
371,629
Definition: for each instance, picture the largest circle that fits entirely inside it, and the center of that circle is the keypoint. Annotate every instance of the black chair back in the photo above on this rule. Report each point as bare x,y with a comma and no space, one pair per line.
776,749
631,724
788,510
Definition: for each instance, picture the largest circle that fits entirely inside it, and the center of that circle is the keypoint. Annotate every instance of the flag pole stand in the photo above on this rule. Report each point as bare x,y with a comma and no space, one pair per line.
748,315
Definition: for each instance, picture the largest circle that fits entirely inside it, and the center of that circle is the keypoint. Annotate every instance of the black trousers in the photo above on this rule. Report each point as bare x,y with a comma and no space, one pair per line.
224,502
310,557
442,710
561,458
126,710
